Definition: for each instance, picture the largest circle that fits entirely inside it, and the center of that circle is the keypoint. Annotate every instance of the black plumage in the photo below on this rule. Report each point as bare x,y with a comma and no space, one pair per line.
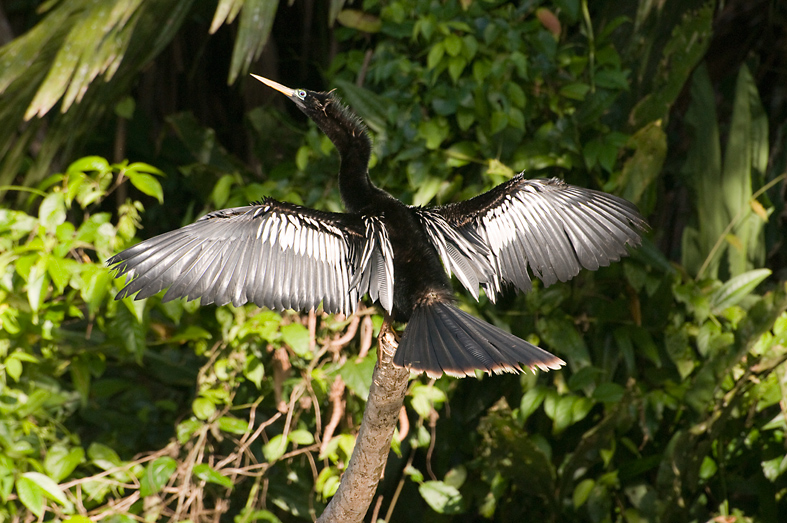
285,256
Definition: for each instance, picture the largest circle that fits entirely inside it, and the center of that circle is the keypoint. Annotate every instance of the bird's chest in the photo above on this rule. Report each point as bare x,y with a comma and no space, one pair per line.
418,270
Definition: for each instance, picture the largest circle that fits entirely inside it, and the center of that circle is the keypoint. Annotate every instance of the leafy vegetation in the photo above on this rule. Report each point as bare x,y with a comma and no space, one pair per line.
672,406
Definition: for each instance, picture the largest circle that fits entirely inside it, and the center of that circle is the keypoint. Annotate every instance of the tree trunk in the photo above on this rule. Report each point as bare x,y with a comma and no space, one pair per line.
386,395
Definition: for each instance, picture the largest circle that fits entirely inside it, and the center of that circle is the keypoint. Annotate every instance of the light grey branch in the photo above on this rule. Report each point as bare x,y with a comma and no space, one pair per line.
386,395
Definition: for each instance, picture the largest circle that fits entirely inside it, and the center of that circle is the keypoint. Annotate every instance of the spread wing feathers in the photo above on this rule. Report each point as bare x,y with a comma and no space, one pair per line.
463,251
548,225
275,254
375,273
441,338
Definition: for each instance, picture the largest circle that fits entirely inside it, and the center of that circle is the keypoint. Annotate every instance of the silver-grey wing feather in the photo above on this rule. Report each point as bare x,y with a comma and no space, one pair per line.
274,254
552,227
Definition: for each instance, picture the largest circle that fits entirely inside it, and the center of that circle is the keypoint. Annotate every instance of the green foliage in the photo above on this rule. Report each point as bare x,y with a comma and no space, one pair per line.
670,408
730,218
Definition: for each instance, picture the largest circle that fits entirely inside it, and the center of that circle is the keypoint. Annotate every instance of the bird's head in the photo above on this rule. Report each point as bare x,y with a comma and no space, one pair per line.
310,102
341,125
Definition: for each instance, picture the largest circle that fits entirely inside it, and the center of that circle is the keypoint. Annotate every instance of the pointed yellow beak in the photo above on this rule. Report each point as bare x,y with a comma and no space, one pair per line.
275,85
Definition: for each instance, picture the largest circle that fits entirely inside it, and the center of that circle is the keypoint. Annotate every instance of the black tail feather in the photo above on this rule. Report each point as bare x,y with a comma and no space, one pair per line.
440,338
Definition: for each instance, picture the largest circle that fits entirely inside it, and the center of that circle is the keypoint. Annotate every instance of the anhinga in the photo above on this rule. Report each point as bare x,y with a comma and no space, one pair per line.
285,256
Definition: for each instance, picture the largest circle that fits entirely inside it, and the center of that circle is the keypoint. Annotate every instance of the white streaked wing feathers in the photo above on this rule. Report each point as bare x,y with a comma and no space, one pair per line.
261,254
554,228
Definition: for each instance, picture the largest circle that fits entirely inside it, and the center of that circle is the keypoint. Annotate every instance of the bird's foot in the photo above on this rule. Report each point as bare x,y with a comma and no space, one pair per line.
387,340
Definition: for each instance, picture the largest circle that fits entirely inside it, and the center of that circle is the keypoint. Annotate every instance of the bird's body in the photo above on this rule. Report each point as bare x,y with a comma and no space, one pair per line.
283,256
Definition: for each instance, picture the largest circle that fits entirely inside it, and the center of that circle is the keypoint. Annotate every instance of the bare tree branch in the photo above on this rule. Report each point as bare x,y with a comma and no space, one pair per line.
386,396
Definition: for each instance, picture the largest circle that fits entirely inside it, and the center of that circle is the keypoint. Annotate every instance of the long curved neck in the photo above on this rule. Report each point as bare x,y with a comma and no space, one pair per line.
351,138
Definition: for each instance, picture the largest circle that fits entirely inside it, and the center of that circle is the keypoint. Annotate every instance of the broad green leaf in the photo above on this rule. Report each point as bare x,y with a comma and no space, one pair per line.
426,397
205,472
737,288
31,495
460,154
254,370
87,164
359,20
147,184
103,457
456,477
774,468
444,499
297,337
427,190
203,408
415,474
275,448
13,367
327,482
61,461
48,487
498,122
434,132
301,437
187,428
233,425
575,91
144,168
37,284
531,400
435,55
52,211
358,375
609,392
560,332
582,492
456,64
452,44
157,474
343,442
221,191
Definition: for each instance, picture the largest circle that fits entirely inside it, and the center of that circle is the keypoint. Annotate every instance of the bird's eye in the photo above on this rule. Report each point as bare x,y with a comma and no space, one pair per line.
300,93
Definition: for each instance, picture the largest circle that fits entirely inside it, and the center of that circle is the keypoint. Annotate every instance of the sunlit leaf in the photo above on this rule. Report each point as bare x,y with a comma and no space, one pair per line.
443,498
275,448
203,408
233,425
359,20
157,474
582,492
61,460
205,472
297,337
31,495
737,288
146,184
48,487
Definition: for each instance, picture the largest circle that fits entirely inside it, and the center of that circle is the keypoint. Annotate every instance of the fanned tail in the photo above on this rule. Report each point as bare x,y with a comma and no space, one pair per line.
440,338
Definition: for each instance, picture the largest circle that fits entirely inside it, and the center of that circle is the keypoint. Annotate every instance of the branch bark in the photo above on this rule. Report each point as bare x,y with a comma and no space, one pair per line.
386,396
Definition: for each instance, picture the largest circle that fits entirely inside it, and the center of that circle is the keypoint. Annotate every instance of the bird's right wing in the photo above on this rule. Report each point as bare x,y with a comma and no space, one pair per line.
274,254
551,227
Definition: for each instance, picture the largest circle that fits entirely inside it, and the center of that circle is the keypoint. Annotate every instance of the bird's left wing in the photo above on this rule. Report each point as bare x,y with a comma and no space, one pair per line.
548,225
274,254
